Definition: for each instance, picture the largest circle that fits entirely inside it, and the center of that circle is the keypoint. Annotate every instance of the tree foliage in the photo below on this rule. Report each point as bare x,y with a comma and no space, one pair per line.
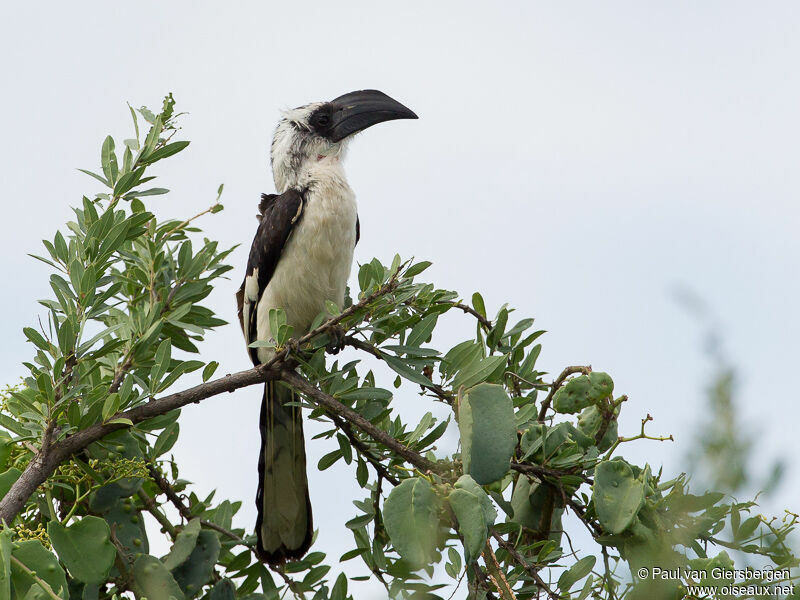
84,452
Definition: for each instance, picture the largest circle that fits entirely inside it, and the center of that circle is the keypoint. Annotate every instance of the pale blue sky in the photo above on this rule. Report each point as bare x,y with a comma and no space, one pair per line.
577,160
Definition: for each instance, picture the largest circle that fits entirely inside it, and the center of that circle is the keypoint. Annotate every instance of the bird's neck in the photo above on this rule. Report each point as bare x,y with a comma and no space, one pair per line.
318,169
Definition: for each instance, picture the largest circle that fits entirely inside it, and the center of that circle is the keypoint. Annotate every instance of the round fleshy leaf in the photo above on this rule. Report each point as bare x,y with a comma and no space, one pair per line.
85,548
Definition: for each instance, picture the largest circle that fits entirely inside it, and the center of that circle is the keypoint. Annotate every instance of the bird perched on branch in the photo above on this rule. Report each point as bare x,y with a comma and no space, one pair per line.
300,259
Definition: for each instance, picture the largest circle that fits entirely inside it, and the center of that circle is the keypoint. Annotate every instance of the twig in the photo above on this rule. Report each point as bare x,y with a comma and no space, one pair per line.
520,560
39,581
482,581
557,384
469,310
190,219
119,374
496,573
642,436
580,511
362,449
123,559
184,510
333,405
608,575
543,472
350,340
150,505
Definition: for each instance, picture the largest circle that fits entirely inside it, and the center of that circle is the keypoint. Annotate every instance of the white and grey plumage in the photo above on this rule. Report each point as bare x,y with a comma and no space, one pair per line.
300,258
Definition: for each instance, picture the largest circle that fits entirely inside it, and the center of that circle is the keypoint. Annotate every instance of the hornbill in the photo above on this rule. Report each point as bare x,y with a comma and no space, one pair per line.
300,258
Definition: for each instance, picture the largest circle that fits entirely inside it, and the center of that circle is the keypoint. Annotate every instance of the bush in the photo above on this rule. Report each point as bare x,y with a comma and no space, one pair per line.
83,464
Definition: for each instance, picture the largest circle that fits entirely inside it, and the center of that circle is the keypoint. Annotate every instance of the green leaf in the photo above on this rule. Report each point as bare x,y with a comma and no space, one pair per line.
166,440
339,591
197,570
478,370
417,268
498,331
617,495
519,328
478,304
96,176
583,391
576,572
149,192
128,181
406,371
329,459
36,558
162,360
164,152
488,433
366,393
91,342
467,483
332,308
471,524
5,563
209,370
362,474
84,547
422,331
153,581
36,337
111,405
410,515
276,317
475,514
222,590
589,423
108,159
184,544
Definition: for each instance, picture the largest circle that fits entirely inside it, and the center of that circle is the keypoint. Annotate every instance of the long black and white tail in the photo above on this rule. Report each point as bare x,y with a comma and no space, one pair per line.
284,526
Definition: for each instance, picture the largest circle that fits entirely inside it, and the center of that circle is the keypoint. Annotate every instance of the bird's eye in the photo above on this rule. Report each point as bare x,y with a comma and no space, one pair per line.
323,120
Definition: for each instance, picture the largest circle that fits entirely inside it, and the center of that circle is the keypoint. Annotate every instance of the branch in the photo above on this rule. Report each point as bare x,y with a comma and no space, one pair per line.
469,310
557,384
543,472
358,344
47,459
45,462
496,574
580,511
150,505
363,450
529,568
379,435
184,510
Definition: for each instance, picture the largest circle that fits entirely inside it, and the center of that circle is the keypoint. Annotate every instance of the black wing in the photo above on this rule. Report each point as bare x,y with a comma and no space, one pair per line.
279,214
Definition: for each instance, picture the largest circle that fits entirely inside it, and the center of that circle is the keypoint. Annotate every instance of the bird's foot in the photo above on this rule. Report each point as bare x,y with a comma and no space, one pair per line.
337,342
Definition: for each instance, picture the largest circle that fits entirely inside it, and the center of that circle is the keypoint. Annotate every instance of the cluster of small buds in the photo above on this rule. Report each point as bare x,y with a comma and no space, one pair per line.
23,533
74,474
122,468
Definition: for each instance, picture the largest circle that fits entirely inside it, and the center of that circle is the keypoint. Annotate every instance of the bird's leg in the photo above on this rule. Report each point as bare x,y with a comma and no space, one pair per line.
336,343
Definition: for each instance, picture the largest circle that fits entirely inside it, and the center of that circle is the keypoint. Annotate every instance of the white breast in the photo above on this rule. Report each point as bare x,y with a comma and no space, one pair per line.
316,261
